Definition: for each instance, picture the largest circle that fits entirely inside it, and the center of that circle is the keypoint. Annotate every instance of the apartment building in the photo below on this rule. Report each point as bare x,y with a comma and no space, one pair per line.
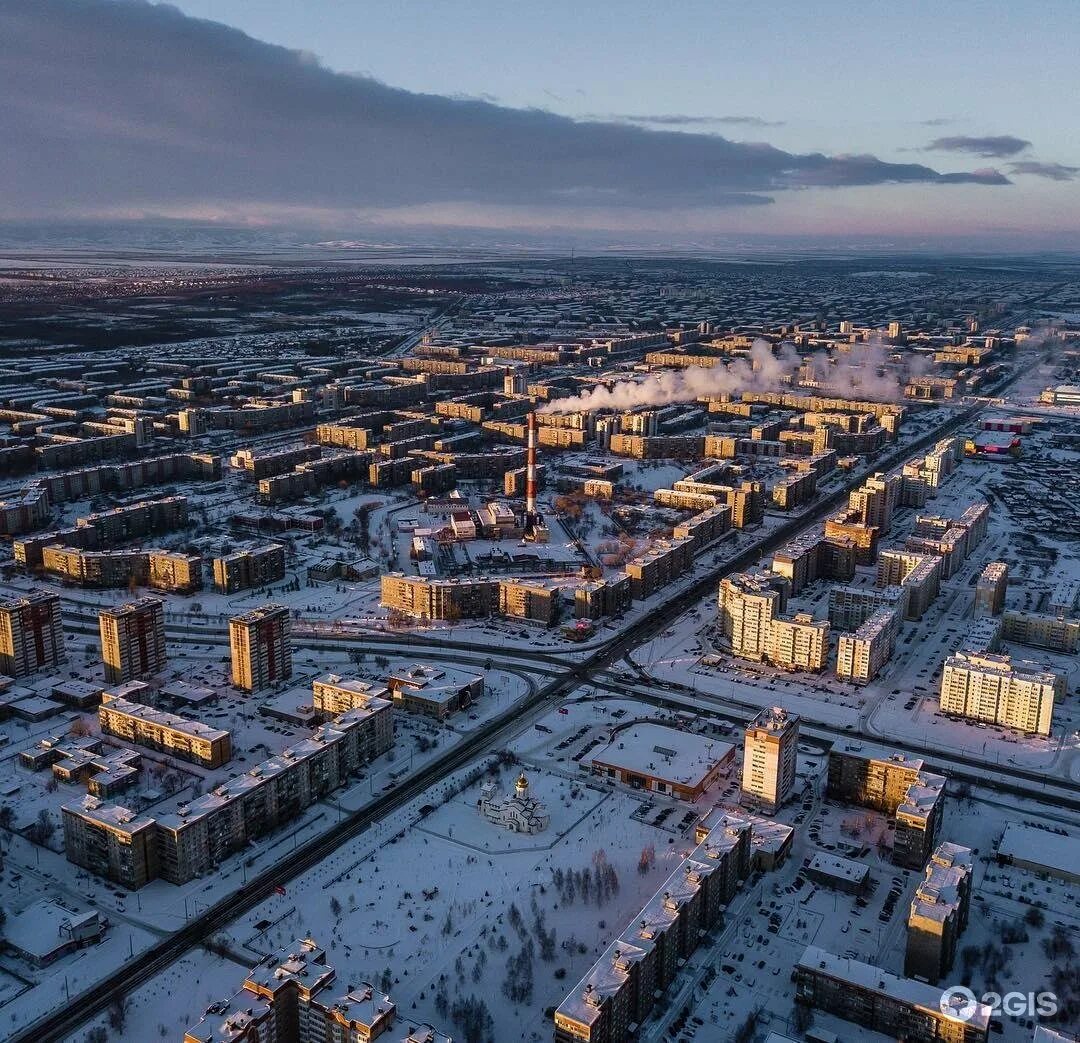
31,633
97,568
245,569
983,686
596,599
919,573
861,655
424,598
175,572
660,565
769,754
111,841
810,557
850,607
991,588
259,643
333,695
939,913
621,988
133,639
873,777
875,500
288,998
531,600
883,1002
1041,630
168,733
950,546
847,525
748,603
195,838
799,643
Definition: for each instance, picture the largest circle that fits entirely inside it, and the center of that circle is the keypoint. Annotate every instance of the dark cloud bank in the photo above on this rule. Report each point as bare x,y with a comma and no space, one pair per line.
126,104
992,146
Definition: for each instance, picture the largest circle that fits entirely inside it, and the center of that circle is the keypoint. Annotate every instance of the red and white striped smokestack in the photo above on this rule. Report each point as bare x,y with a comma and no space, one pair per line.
530,469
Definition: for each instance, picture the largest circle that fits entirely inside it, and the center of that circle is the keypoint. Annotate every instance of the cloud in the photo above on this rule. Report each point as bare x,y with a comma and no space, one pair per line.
134,107
939,121
994,146
984,176
684,120
1050,171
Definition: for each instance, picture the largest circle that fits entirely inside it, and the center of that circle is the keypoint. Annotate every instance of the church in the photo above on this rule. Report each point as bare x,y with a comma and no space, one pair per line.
520,813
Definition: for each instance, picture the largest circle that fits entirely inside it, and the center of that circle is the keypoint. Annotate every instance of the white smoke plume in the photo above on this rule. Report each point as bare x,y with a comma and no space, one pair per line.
860,373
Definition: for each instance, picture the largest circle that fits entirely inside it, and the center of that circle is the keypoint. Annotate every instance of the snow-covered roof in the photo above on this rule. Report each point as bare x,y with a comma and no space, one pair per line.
873,979
1057,852
665,753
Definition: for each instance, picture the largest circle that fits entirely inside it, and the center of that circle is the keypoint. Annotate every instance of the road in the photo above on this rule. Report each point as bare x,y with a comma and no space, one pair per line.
60,1024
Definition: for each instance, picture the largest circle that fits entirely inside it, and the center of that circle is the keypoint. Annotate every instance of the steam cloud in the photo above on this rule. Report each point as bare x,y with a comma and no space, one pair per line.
860,373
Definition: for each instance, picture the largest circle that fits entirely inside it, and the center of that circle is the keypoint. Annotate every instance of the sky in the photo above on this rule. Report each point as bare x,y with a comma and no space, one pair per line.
667,123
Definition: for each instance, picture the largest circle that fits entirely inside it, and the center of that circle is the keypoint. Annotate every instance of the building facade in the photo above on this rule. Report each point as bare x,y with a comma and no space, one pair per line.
31,634
260,647
769,755
133,639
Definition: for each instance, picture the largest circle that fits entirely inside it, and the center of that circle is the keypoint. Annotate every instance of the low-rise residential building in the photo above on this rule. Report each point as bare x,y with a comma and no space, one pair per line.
166,732
434,691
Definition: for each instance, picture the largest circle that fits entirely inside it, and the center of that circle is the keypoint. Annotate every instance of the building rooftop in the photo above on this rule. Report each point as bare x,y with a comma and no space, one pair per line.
665,753
1042,847
873,979
196,729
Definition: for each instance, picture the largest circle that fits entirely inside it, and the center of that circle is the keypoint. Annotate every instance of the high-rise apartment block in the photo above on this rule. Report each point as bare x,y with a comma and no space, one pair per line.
769,753
289,998
259,642
748,603
939,913
31,635
133,639
985,686
861,655
895,785
991,588
799,643
875,500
